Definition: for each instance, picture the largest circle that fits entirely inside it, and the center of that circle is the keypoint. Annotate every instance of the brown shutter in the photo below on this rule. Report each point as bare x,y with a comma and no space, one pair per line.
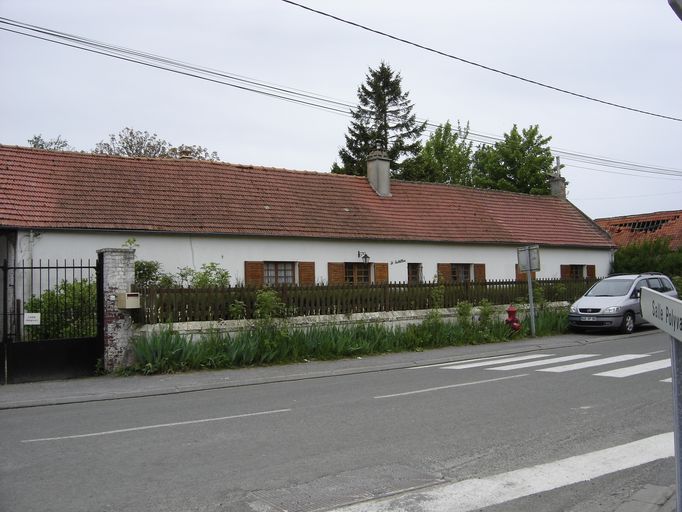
521,276
479,272
565,271
336,273
306,273
591,271
444,272
380,273
253,273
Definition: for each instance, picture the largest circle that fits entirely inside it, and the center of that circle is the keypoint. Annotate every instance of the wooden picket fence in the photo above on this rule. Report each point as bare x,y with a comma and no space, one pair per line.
161,305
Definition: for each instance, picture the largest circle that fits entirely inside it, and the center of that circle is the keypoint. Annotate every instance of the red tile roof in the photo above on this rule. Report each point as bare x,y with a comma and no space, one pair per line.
646,226
64,190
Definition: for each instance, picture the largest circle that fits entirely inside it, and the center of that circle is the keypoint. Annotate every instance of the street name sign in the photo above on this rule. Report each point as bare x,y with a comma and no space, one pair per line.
662,311
666,313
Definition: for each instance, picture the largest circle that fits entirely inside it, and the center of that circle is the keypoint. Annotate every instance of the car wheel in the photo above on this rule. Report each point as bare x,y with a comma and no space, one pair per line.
628,325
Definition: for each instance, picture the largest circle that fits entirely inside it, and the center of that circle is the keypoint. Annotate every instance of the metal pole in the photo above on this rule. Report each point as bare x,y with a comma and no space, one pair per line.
677,410
531,305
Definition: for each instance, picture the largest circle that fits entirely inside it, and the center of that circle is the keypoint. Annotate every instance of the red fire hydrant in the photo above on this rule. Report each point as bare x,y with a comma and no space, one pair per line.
511,320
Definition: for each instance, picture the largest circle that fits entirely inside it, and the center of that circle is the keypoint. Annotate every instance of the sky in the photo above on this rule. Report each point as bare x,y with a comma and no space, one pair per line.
628,52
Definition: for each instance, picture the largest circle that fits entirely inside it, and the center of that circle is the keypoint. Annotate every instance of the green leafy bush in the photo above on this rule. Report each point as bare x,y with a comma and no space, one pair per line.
68,311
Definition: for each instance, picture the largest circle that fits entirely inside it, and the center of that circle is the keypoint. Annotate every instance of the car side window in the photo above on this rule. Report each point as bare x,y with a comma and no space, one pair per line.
666,285
655,284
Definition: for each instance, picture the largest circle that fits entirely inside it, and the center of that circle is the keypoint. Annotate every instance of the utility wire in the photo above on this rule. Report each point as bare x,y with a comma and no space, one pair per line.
473,63
296,96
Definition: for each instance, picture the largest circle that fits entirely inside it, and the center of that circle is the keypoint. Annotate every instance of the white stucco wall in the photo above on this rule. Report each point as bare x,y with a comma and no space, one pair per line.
174,251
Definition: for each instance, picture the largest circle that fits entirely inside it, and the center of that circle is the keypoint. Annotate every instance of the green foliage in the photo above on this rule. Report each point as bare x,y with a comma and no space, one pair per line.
148,273
211,275
136,143
438,294
269,305
445,158
649,256
522,162
131,243
382,120
269,343
486,311
57,144
237,310
464,313
68,311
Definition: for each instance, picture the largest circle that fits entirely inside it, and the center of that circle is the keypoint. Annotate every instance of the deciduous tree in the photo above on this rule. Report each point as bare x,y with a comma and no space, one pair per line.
131,142
521,162
445,158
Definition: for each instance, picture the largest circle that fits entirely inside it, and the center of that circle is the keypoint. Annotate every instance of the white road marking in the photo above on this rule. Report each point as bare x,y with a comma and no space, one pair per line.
594,362
451,386
669,379
488,362
458,362
637,369
543,362
149,427
477,493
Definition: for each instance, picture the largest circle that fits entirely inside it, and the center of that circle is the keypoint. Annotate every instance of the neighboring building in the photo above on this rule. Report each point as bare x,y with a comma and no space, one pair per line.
268,225
645,227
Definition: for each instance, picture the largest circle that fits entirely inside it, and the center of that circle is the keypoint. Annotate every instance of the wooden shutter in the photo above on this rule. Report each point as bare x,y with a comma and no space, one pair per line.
479,272
591,272
444,272
380,273
253,273
336,273
521,276
565,272
306,273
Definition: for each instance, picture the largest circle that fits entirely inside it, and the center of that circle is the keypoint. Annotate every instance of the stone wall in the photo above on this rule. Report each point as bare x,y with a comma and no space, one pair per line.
196,330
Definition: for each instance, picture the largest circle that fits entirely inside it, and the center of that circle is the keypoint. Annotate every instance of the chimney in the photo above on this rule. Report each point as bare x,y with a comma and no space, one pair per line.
557,183
379,172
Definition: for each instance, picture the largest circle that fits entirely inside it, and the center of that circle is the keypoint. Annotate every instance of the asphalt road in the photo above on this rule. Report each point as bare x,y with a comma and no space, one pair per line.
323,443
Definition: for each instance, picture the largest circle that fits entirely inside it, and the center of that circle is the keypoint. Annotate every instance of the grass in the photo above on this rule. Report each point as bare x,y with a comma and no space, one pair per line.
270,341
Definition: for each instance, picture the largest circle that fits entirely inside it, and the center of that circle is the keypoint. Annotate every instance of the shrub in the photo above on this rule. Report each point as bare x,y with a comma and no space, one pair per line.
68,311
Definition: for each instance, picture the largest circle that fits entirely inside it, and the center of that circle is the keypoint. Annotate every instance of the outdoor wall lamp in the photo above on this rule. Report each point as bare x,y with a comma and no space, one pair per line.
364,256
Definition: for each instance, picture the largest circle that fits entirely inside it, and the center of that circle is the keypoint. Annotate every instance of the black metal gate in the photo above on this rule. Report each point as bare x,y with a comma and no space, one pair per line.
51,320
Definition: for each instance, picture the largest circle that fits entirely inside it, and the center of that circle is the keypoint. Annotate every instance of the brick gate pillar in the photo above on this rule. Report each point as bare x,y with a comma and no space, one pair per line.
118,274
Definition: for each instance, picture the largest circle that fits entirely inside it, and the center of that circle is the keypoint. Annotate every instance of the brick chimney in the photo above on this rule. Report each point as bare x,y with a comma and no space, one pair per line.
379,172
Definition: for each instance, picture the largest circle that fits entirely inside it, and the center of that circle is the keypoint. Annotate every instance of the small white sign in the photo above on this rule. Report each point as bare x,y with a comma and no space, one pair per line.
662,311
31,318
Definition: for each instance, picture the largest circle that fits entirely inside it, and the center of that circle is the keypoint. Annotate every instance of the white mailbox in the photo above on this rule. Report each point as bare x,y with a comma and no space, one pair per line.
129,300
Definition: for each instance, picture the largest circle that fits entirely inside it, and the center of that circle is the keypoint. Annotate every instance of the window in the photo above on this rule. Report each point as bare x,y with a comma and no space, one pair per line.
461,272
357,273
278,272
414,273
274,273
578,271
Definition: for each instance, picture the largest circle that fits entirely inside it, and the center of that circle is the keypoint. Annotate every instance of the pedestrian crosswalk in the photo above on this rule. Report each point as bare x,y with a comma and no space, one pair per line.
552,363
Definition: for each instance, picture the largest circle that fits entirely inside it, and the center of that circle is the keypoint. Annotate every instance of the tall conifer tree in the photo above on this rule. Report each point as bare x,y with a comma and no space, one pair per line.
382,120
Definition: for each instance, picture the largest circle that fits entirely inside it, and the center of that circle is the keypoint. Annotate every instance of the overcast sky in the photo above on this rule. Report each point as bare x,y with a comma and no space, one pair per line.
627,52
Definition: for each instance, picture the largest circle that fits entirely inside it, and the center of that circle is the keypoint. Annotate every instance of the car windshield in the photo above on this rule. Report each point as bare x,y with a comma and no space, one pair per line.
610,288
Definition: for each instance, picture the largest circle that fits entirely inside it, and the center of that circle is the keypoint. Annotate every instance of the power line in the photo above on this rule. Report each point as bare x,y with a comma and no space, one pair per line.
297,96
473,63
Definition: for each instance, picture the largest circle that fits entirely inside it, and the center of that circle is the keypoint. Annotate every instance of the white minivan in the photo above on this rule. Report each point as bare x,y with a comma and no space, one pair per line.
613,302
